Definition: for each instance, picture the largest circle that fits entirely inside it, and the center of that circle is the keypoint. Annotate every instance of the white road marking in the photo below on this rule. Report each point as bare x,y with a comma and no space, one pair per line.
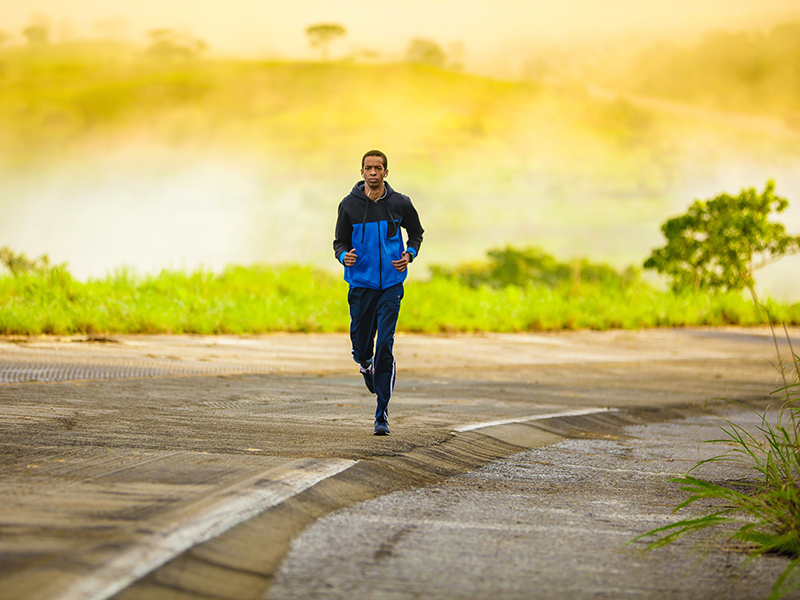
229,509
567,413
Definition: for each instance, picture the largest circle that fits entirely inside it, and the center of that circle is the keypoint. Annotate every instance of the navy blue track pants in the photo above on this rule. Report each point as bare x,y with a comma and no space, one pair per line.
371,312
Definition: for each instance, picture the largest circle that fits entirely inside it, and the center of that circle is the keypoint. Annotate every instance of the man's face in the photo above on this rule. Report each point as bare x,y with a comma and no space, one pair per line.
373,171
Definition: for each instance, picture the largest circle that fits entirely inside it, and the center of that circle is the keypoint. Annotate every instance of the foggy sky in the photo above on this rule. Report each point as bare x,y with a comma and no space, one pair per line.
269,27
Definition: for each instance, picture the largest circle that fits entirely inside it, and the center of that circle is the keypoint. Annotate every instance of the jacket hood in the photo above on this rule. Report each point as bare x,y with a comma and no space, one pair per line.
358,191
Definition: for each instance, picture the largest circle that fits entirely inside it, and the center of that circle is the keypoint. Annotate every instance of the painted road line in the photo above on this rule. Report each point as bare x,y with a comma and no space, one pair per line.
567,413
229,509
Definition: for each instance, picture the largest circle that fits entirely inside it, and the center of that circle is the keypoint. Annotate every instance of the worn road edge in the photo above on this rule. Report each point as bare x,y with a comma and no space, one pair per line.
240,563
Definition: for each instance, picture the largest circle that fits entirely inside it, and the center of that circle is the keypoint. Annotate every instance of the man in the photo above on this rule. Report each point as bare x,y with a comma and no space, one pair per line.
370,246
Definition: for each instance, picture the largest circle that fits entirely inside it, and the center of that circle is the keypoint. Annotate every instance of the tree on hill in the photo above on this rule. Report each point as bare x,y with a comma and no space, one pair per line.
425,52
720,243
38,32
322,35
167,44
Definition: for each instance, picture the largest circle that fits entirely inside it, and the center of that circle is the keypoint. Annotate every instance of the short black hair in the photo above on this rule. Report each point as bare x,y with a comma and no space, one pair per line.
375,153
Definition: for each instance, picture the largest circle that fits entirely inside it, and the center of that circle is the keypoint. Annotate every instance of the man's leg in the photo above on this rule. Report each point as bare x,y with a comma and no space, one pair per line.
363,324
387,311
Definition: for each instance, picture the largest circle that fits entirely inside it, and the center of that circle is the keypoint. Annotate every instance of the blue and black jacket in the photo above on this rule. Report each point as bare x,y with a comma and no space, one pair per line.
372,228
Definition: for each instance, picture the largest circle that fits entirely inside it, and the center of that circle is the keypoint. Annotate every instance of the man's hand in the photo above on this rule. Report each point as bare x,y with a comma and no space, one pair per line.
350,258
402,264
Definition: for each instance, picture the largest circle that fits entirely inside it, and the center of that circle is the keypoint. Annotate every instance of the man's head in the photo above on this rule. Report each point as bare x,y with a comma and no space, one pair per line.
374,169
377,153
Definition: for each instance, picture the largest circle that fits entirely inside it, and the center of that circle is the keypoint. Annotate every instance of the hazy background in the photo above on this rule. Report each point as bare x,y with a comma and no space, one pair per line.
488,30
223,136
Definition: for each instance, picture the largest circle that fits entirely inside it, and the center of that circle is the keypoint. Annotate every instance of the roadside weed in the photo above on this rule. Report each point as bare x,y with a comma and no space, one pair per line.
763,515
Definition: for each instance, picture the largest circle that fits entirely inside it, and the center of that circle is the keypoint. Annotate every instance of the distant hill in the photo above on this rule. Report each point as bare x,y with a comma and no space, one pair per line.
67,96
746,71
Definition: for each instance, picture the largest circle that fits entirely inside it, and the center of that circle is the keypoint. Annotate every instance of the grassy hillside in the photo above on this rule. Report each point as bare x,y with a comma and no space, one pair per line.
746,71
64,96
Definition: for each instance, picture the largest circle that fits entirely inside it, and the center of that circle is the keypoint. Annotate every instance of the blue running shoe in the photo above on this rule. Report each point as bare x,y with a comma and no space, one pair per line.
382,428
369,377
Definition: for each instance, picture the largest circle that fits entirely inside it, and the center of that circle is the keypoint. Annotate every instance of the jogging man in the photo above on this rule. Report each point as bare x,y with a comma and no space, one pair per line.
370,246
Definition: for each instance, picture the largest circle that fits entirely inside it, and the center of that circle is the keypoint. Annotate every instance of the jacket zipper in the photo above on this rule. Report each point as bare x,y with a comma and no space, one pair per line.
380,258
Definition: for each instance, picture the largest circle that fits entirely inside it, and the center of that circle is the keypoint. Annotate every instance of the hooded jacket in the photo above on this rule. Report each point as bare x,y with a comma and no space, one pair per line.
372,228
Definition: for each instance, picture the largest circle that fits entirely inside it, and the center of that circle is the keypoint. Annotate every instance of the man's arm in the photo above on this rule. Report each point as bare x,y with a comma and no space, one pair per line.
411,224
413,228
343,242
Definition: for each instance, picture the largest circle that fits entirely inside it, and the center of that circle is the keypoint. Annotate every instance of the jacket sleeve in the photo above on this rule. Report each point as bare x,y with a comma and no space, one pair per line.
343,240
413,227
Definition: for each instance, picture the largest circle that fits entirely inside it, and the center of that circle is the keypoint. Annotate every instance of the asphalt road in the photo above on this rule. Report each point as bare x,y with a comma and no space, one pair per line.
549,523
186,467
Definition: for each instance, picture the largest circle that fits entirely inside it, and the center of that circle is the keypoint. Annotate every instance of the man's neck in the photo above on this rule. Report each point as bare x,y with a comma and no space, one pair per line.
375,194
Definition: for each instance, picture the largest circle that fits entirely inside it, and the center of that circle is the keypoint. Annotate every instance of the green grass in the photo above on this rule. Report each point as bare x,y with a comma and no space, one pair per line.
239,300
260,299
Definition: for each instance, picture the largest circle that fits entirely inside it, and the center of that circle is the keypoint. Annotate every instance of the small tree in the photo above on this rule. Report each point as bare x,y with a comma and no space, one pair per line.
425,52
20,263
167,44
720,243
322,35
531,266
37,34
